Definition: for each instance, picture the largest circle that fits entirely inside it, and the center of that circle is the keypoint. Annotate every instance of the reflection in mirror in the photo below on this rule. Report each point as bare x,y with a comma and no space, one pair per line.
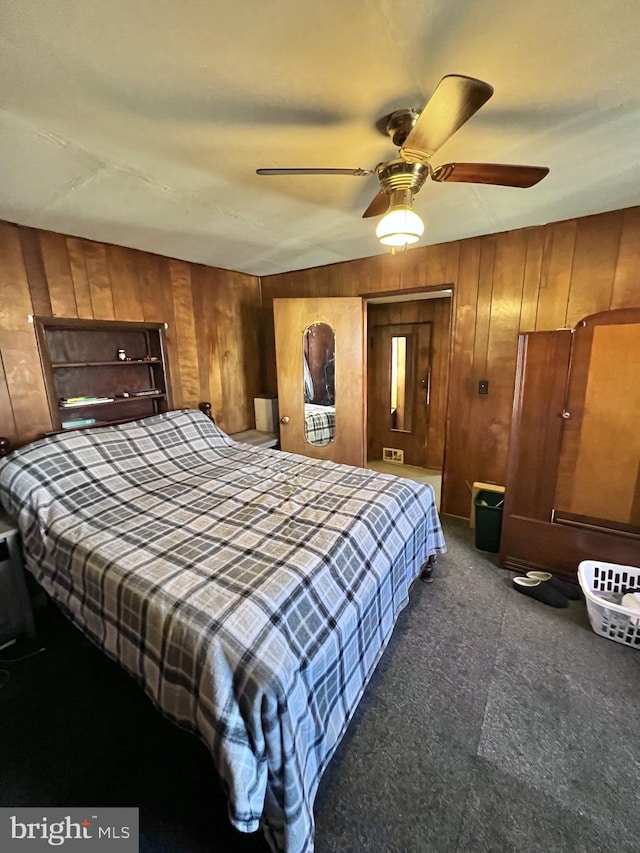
319,349
401,382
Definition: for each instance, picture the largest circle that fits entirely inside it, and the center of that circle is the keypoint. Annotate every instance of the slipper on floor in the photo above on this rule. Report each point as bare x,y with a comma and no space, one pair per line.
568,589
541,591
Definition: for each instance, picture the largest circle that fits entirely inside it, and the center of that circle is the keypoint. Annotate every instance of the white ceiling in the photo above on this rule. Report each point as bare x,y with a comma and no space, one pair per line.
142,123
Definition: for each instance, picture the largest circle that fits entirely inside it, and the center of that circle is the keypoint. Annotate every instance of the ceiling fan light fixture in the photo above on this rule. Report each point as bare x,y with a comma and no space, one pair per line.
420,133
400,227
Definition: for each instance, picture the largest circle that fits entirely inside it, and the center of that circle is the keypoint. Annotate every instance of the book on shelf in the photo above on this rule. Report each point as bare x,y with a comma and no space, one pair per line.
78,422
146,392
81,397
69,402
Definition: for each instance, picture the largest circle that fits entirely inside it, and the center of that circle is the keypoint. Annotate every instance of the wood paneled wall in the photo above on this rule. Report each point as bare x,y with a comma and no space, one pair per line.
213,315
220,344
532,279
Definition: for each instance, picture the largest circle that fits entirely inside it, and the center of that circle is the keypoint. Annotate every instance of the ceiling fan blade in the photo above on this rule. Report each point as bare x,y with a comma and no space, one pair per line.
378,206
491,173
358,173
454,101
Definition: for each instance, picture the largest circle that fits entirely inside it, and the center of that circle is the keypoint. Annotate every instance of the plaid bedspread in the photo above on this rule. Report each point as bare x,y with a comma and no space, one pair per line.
319,423
251,592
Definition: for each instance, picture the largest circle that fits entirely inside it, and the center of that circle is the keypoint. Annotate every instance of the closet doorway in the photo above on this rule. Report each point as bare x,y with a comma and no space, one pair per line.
407,376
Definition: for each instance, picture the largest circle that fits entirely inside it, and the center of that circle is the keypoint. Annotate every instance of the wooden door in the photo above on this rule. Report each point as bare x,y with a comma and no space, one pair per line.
400,420
345,315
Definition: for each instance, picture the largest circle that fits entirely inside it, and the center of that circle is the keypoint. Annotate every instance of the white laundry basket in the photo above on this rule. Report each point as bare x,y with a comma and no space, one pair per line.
614,621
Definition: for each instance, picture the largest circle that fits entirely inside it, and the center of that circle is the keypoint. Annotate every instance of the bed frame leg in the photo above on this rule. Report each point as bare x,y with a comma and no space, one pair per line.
426,575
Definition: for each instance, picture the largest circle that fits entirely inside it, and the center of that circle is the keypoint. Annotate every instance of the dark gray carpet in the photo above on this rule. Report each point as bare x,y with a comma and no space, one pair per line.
493,723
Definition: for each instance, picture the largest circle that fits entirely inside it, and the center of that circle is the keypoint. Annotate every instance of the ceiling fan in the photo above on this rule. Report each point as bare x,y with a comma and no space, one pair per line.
419,134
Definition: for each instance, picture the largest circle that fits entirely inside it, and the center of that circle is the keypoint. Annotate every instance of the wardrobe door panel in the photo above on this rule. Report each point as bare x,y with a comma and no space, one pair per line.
598,470
536,426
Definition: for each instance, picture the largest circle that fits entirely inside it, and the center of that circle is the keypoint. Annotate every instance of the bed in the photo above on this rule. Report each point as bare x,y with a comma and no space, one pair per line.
319,423
250,592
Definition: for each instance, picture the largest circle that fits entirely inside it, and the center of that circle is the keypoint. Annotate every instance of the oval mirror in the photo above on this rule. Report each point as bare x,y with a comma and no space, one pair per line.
318,365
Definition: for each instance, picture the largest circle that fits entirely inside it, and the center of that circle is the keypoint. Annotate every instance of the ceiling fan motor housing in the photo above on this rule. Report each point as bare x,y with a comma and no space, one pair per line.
400,123
400,175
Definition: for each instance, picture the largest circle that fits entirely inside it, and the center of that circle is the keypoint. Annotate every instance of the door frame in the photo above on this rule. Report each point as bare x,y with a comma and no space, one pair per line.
423,371
437,291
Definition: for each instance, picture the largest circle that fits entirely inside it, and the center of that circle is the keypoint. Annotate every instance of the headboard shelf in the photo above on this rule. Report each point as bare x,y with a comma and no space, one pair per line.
103,359
60,364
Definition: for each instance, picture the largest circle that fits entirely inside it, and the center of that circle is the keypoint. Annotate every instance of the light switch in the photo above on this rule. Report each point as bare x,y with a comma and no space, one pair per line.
483,386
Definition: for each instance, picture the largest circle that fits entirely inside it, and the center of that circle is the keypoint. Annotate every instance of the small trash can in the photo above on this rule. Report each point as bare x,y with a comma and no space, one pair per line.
488,510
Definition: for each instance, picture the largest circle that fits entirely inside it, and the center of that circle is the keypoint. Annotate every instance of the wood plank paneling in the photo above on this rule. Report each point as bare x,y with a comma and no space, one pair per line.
440,384
125,284
594,265
483,306
531,282
508,280
539,278
78,269
566,268
626,278
555,279
59,280
436,268
239,376
7,421
457,473
480,408
205,303
97,266
187,373
228,313
249,367
155,288
157,307
43,273
34,267
28,414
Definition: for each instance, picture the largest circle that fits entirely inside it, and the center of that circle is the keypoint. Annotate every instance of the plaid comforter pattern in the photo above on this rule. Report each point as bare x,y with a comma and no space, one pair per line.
319,423
251,592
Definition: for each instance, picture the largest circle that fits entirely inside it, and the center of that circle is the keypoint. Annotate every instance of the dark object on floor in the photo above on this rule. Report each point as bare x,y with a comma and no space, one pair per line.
488,510
568,589
426,575
541,591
